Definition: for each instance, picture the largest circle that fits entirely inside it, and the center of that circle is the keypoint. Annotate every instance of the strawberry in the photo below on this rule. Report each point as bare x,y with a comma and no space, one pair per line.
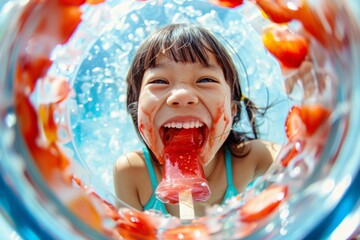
313,116
72,2
30,68
263,204
277,12
294,126
82,206
321,26
136,225
305,120
70,18
94,2
190,232
227,3
291,153
288,47
46,115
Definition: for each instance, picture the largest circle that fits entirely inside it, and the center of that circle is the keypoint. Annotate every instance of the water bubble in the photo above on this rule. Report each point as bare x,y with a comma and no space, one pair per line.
10,120
134,18
86,87
122,98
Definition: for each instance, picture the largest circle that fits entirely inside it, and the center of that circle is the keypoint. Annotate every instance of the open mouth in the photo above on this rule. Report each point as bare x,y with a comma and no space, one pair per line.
184,135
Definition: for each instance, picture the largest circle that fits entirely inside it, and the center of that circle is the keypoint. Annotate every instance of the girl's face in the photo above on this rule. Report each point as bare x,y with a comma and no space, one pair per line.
185,95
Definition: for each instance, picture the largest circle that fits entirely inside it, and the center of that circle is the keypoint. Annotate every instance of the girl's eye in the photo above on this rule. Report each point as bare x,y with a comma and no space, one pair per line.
158,81
207,80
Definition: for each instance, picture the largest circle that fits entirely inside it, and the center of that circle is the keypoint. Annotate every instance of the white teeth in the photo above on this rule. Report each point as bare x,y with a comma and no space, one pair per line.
186,125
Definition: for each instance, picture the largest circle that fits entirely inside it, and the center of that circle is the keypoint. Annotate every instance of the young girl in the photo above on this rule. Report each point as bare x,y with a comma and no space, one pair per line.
182,77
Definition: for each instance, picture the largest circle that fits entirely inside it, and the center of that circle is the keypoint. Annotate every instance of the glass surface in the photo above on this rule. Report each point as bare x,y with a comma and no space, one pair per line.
93,127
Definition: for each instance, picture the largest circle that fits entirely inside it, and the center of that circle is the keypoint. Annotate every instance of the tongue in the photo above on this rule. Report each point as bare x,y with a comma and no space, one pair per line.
182,169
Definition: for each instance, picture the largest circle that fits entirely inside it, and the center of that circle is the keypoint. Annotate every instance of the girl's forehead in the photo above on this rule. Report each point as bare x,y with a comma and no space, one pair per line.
164,62
166,55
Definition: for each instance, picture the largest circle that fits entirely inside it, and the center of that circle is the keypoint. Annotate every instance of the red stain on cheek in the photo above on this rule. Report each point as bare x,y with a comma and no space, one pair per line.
146,127
212,131
145,116
148,133
219,113
142,130
226,120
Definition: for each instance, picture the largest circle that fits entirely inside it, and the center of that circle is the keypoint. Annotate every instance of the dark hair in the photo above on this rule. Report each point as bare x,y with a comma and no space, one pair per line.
188,43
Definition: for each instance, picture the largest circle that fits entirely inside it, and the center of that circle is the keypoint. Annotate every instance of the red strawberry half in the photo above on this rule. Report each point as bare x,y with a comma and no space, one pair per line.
314,116
305,120
263,204
288,47
294,126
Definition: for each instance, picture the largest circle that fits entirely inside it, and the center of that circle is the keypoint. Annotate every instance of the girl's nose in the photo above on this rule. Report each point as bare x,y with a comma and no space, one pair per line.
182,96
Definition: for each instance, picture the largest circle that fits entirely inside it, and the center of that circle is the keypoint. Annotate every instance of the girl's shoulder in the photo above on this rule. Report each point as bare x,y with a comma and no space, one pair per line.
256,147
130,161
265,146
258,153
130,174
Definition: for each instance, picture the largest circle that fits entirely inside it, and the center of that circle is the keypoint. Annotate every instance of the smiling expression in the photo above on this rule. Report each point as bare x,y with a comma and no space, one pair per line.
185,95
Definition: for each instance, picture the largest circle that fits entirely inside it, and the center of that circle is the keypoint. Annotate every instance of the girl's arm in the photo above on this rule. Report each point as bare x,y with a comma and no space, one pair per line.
125,175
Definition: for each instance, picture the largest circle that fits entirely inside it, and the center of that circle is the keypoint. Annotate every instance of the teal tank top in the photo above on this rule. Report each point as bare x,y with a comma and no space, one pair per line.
156,204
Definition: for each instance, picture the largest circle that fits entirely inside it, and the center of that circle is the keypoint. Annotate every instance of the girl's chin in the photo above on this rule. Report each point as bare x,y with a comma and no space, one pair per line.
206,157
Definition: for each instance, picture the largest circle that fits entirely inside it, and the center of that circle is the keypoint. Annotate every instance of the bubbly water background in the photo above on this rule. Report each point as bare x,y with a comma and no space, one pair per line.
101,128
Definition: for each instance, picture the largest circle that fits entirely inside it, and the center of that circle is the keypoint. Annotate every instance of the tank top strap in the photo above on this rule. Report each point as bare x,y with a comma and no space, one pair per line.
231,190
150,168
228,166
153,203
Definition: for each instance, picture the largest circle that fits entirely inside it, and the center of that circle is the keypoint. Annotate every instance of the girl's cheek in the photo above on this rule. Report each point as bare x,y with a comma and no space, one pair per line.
147,104
147,130
227,121
218,133
145,125
221,121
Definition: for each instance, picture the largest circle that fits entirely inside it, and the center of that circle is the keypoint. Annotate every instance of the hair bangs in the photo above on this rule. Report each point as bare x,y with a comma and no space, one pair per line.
179,45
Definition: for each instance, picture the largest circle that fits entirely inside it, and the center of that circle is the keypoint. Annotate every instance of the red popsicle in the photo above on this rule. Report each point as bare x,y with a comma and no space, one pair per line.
182,170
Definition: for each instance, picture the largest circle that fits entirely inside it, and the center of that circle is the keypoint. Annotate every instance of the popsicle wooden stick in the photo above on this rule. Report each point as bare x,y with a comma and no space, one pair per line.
186,205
